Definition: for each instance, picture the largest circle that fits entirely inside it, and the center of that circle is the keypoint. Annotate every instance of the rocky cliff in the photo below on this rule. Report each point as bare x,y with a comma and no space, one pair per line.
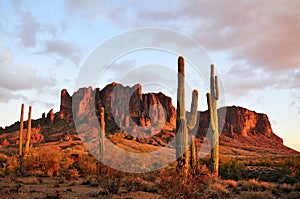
127,108
234,121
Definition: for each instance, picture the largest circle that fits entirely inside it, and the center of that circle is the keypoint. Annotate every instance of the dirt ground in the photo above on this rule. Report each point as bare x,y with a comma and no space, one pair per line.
56,187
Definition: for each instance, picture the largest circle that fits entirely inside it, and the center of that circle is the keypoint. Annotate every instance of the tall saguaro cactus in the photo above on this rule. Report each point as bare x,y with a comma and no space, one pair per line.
102,133
212,99
28,131
21,131
182,124
21,138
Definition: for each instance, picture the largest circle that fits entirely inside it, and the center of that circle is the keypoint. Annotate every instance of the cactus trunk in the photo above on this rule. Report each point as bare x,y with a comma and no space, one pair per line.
183,125
194,154
21,131
21,138
212,99
27,144
102,134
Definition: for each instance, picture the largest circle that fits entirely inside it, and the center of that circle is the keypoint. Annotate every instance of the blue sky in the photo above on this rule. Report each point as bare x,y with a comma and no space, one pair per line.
254,45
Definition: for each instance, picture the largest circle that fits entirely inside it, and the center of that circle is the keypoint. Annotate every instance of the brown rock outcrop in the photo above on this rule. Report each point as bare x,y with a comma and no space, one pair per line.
125,107
50,117
241,121
65,105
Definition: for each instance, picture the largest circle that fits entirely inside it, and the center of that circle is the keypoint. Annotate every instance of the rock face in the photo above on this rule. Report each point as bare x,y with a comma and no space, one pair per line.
65,105
50,117
127,108
238,120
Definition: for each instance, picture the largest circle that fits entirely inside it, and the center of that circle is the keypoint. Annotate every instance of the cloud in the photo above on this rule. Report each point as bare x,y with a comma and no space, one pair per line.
63,49
258,32
88,8
294,104
6,95
51,28
296,79
15,77
242,79
28,30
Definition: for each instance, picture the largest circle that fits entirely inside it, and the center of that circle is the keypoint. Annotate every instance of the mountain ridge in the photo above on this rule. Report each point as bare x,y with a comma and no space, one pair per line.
145,109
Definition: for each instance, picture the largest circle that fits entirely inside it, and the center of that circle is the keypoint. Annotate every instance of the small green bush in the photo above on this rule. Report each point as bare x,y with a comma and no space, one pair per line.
232,169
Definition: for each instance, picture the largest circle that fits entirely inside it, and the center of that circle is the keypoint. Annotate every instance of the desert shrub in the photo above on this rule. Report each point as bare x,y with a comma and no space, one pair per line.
3,164
3,159
43,161
67,161
70,174
31,180
86,165
230,183
291,163
293,195
254,185
12,165
215,190
116,137
285,187
256,195
232,169
290,167
297,187
283,169
259,162
176,185
92,181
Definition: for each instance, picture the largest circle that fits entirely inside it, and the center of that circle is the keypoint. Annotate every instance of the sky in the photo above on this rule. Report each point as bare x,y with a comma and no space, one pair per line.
253,44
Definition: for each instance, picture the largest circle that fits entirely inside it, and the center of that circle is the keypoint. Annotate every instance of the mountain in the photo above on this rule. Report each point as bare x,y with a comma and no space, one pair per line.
148,119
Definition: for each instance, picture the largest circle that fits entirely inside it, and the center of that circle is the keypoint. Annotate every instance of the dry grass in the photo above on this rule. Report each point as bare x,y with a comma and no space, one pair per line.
286,187
230,183
216,190
254,185
257,195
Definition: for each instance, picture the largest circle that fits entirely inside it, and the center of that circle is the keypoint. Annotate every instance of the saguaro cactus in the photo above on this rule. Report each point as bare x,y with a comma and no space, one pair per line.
212,99
21,131
21,138
102,133
27,144
182,125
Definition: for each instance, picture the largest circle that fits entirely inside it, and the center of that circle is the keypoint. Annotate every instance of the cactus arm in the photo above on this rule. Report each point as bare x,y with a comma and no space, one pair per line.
217,94
192,119
210,109
212,82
